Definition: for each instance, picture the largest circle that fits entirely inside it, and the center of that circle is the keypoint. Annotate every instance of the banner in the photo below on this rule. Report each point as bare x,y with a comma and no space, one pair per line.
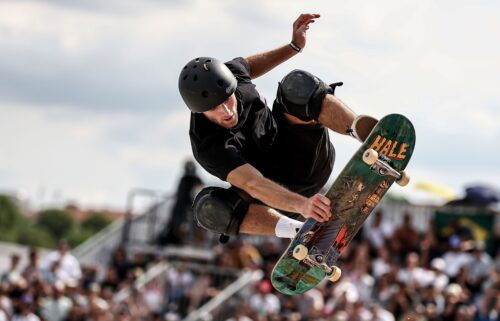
475,223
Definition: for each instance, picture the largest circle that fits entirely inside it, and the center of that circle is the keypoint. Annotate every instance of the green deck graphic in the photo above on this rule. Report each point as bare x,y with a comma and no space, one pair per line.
354,194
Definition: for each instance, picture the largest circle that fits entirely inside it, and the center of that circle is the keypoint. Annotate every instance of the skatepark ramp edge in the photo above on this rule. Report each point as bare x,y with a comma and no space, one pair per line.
205,312
138,229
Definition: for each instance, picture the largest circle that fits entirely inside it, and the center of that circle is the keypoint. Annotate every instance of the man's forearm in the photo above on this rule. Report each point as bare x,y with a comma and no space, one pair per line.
276,196
264,62
249,179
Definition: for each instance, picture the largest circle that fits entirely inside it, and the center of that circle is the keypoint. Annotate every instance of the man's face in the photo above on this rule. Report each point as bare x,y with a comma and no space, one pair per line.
225,114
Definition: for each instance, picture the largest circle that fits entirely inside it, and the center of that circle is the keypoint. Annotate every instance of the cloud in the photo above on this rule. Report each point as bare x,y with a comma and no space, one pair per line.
86,60
88,90
93,158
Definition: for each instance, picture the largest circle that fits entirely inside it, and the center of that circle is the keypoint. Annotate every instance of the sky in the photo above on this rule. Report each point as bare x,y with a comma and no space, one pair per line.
89,105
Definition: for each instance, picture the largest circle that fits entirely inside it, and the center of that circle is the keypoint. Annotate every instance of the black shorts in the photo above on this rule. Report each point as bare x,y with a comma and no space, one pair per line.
303,155
303,159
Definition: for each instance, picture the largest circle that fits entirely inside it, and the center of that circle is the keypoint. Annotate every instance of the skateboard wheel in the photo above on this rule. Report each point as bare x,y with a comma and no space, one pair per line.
335,275
370,156
300,252
404,180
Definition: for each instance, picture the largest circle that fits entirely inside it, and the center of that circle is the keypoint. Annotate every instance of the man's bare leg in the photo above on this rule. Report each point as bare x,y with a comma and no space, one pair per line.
263,220
334,115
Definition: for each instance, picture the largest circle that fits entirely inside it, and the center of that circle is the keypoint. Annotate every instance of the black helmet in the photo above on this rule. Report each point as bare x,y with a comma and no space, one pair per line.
205,83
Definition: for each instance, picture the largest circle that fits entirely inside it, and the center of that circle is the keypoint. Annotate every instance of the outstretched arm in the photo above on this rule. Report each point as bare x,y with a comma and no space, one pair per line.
264,62
249,179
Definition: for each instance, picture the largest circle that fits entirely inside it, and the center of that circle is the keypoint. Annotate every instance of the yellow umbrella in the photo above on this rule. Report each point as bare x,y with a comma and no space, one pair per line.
436,189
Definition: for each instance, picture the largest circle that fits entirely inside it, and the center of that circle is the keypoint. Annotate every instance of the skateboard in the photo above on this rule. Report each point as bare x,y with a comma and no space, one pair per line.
376,165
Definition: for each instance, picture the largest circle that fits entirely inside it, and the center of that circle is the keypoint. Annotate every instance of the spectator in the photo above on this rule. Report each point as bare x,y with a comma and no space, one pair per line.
489,309
5,301
400,302
111,279
359,312
413,273
432,301
314,303
249,256
69,268
32,271
51,275
380,314
153,297
379,231
441,280
89,276
456,297
180,280
384,290
120,263
405,238
264,302
25,313
455,259
13,275
56,307
478,268
138,264
77,314
176,230
381,264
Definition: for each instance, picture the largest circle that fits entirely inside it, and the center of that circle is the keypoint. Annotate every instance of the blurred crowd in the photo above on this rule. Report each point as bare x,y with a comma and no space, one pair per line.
389,273
56,288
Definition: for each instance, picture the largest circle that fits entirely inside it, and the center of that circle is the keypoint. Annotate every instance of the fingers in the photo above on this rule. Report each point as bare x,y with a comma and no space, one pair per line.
317,217
308,16
321,199
321,207
318,208
305,18
322,204
322,216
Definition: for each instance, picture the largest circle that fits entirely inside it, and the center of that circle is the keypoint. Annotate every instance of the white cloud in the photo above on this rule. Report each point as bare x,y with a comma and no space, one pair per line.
78,153
88,90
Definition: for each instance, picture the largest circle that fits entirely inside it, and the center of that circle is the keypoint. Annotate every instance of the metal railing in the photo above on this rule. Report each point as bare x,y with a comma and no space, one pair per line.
207,311
98,248
228,282
135,229
144,229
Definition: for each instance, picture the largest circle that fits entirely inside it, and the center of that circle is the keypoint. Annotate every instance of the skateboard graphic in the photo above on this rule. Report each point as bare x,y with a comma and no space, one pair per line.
376,165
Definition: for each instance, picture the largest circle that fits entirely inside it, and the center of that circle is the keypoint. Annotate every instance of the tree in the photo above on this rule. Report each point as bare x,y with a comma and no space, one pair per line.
11,219
10,214
58,223
31,236
78,236
95,222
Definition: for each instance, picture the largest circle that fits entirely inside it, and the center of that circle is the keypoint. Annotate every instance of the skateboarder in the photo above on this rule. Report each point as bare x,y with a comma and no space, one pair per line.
276,161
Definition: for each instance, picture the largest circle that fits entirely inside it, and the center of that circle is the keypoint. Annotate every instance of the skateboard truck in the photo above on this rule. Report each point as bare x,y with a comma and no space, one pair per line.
300,252
380,164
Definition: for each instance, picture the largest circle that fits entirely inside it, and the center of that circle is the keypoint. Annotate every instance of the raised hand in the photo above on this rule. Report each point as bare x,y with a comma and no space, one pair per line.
300,27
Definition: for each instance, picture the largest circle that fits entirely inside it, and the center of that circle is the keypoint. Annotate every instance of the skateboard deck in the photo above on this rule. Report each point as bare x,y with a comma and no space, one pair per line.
376,165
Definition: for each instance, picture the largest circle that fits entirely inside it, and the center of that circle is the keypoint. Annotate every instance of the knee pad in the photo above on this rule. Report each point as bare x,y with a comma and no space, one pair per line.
301,94
220,210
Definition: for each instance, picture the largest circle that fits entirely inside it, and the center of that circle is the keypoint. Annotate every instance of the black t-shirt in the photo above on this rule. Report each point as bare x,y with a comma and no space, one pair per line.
299,157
